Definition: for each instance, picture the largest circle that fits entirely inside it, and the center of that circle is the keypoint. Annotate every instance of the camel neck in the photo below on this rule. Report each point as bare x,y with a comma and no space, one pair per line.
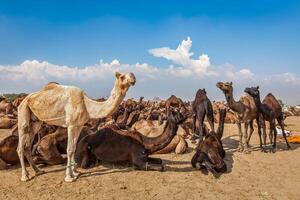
232,104
104,108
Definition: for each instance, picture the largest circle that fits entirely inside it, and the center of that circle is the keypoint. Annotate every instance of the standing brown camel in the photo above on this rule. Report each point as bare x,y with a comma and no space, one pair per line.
246,112
64,106
270,110
202,106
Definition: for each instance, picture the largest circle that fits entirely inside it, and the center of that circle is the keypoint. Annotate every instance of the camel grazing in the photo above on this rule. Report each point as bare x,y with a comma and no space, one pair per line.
8,151
210,152
202,106
114,145
64,106
270,110
246,112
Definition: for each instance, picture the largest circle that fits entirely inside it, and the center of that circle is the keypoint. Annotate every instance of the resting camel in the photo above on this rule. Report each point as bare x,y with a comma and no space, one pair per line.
154,128
7,122
113,145
6,107
202,106
8,151
64,106
49,149
246,112
270,110
210,152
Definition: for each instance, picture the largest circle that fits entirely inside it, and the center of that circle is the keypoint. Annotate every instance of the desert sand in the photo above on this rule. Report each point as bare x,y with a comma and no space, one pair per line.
256,175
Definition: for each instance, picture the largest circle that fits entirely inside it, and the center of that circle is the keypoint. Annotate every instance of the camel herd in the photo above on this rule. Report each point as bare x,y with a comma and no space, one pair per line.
60,120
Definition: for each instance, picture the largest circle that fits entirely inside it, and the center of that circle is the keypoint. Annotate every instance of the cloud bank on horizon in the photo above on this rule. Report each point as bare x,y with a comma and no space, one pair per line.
182,77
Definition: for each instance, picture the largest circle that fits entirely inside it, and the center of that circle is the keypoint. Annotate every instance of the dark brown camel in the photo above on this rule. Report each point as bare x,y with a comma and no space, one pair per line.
202,107
113,145
246,112
270,110
209,152
8,151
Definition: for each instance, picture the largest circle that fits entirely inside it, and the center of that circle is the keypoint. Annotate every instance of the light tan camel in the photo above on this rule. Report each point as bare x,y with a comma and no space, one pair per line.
246,112
64,106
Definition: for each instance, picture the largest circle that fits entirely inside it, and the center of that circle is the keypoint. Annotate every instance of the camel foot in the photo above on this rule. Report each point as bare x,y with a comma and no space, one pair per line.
246,151
75,173
25,178
273,150
240,148
69,179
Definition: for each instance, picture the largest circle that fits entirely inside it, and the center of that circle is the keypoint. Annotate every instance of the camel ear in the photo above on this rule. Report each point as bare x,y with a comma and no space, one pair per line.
117,74
230,82
257,87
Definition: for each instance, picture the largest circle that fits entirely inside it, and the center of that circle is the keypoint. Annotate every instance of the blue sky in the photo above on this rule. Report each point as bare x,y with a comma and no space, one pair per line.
262,36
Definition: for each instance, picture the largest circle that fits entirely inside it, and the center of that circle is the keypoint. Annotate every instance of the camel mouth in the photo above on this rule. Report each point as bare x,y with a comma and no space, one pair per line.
219,85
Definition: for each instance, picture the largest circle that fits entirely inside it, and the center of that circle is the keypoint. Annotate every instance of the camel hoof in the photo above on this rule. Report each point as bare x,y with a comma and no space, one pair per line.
25,178
246,151
69,179
76,174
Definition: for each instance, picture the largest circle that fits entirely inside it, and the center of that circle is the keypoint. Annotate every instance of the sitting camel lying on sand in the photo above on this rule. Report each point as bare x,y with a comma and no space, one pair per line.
8,151
209,152
49,149
113,145
68,107
151,129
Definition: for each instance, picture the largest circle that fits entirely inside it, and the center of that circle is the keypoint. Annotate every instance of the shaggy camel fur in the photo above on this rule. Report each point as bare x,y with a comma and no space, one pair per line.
113,145
152,129
202,106
270,110
246,112
64,106
210,152
8,151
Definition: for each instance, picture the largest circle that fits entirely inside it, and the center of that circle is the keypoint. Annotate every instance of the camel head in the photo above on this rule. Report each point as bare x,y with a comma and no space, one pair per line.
124,80
225,86
253,91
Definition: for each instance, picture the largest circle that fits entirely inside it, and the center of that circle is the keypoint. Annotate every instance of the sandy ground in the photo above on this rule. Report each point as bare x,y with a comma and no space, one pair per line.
250,176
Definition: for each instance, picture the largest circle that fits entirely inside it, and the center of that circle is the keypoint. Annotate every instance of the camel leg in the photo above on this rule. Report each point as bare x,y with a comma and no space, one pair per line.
21,148
246,147
194,124
240,148
251,131
73,134
259,131
264,132
271,132
275,136
280,122
154,160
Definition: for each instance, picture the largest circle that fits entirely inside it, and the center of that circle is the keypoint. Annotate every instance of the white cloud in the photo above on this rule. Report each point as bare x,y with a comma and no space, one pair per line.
181,56
182,77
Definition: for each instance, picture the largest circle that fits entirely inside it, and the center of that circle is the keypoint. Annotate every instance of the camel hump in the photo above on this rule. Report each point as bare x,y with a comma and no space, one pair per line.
50,85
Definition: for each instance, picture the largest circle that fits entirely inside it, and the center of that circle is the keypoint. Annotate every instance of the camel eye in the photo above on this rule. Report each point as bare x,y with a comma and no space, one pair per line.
122,78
